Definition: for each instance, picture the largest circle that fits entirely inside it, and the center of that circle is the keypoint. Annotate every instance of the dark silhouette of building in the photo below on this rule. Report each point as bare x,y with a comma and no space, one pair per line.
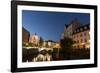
25,36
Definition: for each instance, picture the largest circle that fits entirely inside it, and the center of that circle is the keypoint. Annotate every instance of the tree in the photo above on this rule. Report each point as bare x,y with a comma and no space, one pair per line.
47,45
66,43
41,42
30,44
66,47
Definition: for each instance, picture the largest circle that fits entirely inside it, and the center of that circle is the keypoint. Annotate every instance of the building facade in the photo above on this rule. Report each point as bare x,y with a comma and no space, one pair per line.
70,28
81,36
25,36
34,39
49,43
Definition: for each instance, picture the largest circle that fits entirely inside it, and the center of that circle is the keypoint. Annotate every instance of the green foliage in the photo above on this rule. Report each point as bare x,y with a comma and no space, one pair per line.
66,47
66,43
47,46
41,42
30,44
55,50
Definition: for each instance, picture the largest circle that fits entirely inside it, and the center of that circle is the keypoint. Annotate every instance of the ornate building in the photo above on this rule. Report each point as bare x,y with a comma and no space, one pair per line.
70,28
81,37
34,39
51,44
48,43
79,34
25,36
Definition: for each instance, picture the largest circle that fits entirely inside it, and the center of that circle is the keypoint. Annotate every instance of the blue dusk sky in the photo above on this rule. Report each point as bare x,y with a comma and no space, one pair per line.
50,25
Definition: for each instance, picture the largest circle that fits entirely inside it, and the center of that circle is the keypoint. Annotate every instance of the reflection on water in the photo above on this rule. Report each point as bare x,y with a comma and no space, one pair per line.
35,55
42,57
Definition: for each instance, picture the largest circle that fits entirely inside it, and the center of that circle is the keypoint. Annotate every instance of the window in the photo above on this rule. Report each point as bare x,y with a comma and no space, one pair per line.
74,41
77,46
77,36
81,35
81,41
77,30
84,33
77,41
85,40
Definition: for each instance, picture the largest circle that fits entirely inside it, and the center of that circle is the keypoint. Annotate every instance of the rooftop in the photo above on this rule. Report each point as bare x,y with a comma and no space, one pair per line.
82,28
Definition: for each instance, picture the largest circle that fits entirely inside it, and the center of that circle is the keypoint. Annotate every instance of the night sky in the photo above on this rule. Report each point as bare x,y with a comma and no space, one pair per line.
50,25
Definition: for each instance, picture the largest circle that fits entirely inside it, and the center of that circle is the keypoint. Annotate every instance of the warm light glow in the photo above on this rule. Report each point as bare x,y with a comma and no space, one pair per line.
57,46
87,46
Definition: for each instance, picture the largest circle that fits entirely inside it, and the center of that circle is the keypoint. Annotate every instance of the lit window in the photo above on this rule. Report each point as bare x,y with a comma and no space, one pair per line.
85,40
81,40
81,35
77,41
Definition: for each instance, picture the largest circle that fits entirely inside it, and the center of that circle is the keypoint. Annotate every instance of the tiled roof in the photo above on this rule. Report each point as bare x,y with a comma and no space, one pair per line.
82,28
